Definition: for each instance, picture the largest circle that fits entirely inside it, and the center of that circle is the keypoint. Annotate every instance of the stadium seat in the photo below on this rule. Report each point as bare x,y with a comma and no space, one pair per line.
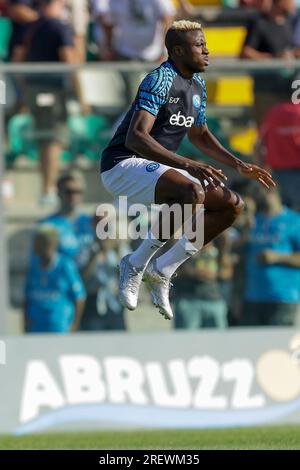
21,141
231,91
88,134
5,33
228,90
104,89
225,41
243,141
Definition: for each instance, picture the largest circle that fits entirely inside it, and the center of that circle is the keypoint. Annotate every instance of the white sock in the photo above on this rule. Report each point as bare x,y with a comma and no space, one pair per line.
170,261
142,255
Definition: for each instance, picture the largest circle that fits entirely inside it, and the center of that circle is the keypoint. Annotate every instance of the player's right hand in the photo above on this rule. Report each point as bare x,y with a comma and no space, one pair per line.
207,173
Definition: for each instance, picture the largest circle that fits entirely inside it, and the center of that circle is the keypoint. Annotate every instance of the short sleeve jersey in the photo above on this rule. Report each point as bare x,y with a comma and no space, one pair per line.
51,294
177,103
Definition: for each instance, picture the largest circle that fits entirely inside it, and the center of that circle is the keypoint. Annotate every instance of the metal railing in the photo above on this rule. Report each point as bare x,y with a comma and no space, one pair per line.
230,64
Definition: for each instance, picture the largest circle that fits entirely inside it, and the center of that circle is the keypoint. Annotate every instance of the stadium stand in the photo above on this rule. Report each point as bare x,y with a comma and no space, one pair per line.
225,41
230,96
21,142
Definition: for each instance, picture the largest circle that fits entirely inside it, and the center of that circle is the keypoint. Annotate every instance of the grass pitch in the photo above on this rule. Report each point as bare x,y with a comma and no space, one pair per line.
277,437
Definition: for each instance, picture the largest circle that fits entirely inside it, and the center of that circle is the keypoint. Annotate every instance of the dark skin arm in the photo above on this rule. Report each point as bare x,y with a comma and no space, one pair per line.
204,140
139,140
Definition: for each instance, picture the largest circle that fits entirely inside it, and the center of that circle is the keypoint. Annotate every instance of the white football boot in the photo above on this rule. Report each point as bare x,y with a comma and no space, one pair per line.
129,283
159,287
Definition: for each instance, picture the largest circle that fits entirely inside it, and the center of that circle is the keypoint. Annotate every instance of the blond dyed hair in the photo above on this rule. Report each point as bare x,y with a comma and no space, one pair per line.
186,25
176,33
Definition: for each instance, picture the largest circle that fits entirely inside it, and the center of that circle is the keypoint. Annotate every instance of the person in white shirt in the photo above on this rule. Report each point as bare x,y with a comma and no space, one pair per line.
134,29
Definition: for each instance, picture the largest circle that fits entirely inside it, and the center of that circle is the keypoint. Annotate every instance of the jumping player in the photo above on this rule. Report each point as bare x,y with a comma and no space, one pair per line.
140,162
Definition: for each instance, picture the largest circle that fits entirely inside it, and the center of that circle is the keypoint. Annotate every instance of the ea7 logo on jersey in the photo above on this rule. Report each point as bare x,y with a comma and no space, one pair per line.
173,100
180,120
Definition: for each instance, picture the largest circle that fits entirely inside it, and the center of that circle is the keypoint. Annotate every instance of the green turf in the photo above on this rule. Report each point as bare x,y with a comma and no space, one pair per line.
279,437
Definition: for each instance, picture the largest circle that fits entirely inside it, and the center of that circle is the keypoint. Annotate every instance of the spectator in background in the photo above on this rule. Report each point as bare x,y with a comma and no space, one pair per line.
137,28
270,36
54,293
22,13
197,294
272,251
278,149
104,12
75,228
48,39
103,310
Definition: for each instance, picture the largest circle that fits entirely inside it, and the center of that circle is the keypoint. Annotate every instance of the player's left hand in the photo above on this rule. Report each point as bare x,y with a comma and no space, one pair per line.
254,172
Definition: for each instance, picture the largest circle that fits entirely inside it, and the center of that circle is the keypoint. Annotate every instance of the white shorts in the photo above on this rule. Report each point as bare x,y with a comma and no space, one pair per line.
136,178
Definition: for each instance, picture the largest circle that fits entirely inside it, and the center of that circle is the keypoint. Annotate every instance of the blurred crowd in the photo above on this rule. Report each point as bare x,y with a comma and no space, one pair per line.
103,28
75,31
72,277
251,274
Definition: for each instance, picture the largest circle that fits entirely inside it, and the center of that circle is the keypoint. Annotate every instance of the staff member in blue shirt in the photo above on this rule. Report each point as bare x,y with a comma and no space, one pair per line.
54,293
75,228
272,251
